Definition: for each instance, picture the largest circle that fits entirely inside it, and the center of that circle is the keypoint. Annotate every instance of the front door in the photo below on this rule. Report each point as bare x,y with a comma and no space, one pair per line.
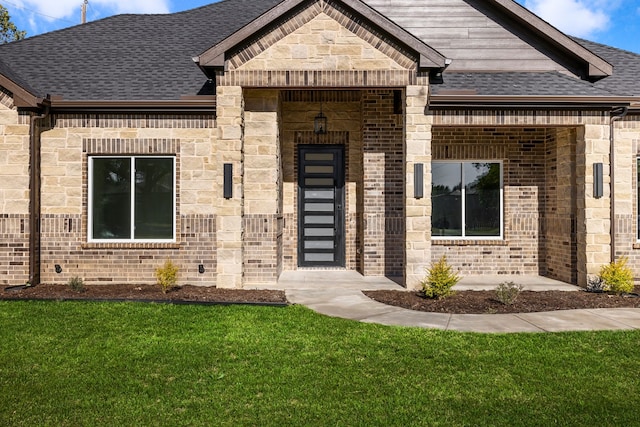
321,206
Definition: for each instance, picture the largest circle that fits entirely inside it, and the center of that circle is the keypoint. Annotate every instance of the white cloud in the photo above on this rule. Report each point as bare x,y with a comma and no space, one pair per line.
579,18
60,9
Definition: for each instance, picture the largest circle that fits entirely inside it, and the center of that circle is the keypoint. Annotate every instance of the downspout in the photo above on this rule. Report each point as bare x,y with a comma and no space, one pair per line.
34,197
616,115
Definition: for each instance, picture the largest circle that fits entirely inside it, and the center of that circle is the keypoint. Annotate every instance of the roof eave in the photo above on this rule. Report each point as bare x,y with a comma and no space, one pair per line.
22,97
529,102
199,103
597,67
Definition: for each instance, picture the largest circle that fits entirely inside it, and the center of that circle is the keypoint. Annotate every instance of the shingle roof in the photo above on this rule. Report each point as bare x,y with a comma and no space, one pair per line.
149,57
625,80
516,84
132,57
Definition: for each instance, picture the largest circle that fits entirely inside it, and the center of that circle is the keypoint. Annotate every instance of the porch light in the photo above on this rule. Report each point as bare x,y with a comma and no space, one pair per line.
320,123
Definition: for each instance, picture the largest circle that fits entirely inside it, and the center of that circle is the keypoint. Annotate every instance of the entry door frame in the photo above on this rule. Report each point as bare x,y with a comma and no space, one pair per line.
338,151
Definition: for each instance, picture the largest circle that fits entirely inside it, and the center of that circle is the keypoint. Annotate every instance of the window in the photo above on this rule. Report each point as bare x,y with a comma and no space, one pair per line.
466,198
132,199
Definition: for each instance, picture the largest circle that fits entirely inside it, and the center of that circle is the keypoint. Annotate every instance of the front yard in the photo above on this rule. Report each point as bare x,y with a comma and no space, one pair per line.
80,363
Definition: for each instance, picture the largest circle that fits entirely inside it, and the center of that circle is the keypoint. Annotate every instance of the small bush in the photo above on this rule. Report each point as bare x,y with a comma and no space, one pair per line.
439,280
507,292
167,276
76,284
617,277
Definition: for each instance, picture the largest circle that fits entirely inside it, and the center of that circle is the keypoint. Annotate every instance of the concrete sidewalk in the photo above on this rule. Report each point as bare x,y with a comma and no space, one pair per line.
339,294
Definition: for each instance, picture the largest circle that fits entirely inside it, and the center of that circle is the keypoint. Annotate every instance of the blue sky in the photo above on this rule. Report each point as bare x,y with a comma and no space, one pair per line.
612,22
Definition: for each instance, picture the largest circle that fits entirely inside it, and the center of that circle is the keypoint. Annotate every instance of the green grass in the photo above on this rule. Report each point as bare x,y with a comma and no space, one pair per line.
86,364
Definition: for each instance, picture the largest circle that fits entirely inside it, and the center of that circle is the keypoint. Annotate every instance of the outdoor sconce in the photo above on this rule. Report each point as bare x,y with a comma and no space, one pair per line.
598,188
201,269
228,181
418,180
58,268
320,123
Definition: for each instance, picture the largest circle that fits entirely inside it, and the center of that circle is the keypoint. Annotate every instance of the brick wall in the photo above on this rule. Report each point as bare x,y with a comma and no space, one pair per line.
383,198
344,124
559,221
523,152
65,151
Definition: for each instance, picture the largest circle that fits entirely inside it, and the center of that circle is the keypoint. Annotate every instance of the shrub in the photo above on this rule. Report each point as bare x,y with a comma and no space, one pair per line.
167,276
507,292
617,277
76,284
439,280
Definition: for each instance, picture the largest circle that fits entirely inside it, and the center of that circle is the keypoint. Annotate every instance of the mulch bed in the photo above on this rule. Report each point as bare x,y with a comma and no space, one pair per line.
484,302
182,294
463,302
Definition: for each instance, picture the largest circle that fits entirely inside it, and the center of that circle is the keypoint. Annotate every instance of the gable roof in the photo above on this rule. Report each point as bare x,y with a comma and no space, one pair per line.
148,58
597,66
427,56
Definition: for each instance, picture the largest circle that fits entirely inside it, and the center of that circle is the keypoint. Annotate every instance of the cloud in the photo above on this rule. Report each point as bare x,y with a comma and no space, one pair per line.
64,9
579,18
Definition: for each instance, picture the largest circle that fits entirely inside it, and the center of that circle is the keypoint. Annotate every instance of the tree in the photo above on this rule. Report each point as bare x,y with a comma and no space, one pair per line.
8,30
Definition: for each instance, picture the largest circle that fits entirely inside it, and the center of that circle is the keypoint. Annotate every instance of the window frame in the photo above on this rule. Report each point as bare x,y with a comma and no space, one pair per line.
132,158
462,163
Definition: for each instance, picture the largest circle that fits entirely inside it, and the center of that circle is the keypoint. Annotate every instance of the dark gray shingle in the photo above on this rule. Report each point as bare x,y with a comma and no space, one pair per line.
134,57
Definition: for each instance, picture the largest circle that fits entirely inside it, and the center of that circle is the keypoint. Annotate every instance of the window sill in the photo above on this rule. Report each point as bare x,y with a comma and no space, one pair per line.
467,242
130,245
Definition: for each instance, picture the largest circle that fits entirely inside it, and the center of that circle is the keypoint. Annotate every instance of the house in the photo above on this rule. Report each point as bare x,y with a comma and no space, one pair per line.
246,138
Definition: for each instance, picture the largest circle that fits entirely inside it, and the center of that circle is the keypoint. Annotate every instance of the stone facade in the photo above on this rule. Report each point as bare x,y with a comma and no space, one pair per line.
65,152
14,192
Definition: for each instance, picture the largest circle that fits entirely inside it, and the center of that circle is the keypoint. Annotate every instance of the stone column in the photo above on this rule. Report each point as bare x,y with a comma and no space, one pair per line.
593,222
229,229
262,204
418,211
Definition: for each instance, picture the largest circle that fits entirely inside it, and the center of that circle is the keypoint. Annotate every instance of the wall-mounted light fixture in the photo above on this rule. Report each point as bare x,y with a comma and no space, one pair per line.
418,180
228,181
58,268
598,180
320,123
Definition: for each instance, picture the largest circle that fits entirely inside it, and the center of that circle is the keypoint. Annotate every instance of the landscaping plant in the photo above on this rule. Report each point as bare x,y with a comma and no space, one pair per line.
76,284
167,276
617,277
439,280
507,292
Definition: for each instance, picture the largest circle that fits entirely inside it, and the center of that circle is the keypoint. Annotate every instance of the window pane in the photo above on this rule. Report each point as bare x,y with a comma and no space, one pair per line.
482,199
154,198
446,199
111,201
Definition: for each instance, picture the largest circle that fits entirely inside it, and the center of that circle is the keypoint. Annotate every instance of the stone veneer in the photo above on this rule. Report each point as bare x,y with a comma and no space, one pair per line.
65,151
14,192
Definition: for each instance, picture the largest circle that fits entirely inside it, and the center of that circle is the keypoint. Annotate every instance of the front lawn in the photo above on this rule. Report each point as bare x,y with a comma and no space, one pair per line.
72,364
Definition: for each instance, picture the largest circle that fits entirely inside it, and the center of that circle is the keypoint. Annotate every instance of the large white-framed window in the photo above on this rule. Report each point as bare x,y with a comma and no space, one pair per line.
467,199
132,199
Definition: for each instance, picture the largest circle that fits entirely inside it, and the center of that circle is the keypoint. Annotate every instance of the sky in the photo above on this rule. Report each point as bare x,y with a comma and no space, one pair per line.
612,22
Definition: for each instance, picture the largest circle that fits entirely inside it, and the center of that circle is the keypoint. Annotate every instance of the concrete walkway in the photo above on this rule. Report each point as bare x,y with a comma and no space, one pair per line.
339,294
